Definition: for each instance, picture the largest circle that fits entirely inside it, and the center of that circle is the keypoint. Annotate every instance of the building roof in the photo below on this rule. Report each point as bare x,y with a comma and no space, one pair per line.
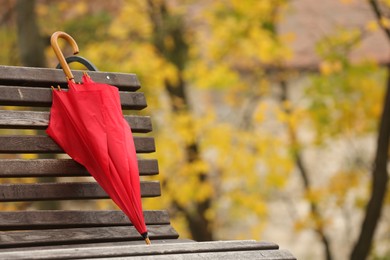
310,21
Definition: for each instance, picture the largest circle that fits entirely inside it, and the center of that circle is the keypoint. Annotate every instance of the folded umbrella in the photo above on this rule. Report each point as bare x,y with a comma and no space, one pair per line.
87,123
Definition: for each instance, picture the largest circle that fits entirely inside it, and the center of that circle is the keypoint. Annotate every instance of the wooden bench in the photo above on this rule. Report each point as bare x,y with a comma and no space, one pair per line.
27,232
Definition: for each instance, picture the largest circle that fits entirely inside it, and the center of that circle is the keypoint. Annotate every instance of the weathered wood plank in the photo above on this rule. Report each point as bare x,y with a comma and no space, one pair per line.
59,168
98,244
40,120
231,255
65,191
81,235
42,97
140,250
27,76
45,219
44,144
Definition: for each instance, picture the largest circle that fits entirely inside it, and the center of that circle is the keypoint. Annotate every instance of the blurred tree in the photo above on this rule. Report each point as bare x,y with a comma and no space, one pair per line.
243,63
351,89
169,40
30,41
7,33
213,163
31,48
380,175
296,154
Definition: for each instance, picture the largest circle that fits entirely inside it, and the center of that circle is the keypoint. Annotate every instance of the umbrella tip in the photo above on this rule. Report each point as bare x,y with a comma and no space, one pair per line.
146,237
52,88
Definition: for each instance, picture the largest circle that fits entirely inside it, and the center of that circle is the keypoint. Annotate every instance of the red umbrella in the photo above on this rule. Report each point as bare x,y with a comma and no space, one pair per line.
87,122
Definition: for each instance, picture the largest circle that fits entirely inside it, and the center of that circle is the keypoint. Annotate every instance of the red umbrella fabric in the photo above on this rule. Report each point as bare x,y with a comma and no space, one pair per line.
87,123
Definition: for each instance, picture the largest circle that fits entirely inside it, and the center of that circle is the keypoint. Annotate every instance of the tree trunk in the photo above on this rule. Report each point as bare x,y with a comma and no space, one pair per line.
166,25
31,49
379,183
304,174
30,42
380,176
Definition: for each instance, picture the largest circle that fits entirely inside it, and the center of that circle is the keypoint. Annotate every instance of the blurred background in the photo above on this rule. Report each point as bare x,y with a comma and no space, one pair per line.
266,113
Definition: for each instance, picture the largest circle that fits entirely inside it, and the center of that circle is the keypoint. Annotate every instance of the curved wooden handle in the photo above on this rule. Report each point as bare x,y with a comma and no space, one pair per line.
60,55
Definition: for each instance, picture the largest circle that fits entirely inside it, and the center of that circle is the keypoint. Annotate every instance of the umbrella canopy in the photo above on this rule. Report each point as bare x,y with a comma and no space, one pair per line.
87,122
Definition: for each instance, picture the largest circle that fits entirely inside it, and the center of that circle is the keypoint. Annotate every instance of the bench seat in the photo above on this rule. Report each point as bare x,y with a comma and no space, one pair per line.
244,249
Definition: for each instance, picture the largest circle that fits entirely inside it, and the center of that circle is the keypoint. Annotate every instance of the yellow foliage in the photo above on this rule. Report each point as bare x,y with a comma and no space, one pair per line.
260,113
282,115
245,40
386,2
131,20
385,22
315,195
80,7
372,26
347,1
185,128
328,67
179,223
311,221
30,156
341,183
203,191
215,76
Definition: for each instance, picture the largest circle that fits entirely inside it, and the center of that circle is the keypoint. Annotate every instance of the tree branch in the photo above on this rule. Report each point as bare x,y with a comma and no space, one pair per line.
379,183
166,25
378,14
304,175
379,175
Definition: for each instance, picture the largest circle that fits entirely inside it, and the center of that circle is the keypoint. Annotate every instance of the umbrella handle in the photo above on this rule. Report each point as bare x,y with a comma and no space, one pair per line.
60,55
89,65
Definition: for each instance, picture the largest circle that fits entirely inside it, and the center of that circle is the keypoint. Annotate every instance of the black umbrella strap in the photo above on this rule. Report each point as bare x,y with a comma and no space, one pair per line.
89,65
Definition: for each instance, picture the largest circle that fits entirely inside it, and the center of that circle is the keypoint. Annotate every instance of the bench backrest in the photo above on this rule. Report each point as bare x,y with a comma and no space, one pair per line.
26,177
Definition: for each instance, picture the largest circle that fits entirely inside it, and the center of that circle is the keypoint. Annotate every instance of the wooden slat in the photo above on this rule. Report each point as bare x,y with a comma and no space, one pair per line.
42,97
44,144
59,168
98,244
40,120
45,219
65,191
229,255
26,76
140,251
81,235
